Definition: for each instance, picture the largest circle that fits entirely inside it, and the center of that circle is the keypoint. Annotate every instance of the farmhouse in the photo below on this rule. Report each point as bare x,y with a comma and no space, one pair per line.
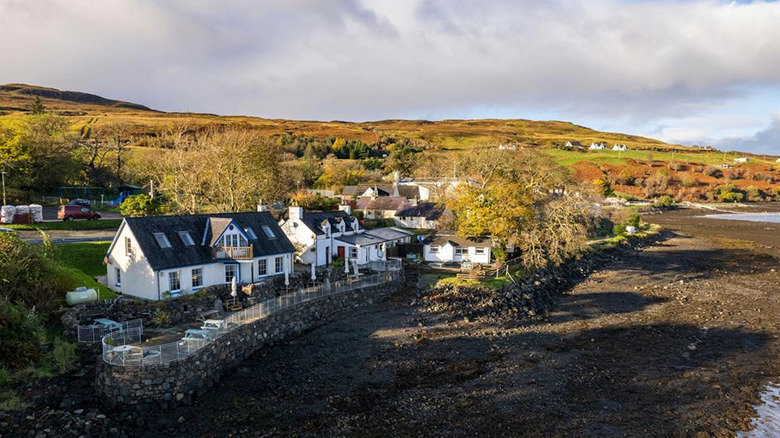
165,256
597,146
444,248
619,147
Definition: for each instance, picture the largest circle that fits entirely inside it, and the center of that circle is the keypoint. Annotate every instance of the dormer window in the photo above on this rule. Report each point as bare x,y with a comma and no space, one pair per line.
186,239
162,240
269,232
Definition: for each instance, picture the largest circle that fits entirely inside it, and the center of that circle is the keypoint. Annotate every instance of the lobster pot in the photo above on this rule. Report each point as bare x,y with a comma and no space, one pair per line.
37,212
22,209
7,213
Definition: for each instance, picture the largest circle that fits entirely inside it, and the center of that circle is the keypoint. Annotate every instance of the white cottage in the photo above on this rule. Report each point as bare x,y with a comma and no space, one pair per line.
372,245
163,256
444,248
424,215
313,233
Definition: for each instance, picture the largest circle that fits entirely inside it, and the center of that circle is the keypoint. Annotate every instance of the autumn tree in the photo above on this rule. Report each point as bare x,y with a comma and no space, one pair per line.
524,199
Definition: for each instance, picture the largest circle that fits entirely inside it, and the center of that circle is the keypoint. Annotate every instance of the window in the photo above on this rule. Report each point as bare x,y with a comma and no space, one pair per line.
269,232
480,251
461,250
278,263
197,277
118,276
162,240
434,249
251,233
353,252
230,272
186,239
128,246
174,282
262,267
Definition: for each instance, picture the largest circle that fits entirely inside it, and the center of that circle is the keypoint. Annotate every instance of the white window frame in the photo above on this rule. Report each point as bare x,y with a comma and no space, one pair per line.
235,273
199,277
171,276
186,239
264,264
461,250
479,251
279,264
268,232
118,275
162,240
353,252
128,246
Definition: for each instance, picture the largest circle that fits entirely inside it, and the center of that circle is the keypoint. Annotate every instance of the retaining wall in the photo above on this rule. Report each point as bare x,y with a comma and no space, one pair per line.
179,382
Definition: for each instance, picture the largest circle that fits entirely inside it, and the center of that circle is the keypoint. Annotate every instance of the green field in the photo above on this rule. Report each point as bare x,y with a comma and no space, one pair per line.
569,158
84,261
102,224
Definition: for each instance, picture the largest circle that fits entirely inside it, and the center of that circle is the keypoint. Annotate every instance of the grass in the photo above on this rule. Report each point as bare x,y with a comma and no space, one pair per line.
84,261
569,158
102,224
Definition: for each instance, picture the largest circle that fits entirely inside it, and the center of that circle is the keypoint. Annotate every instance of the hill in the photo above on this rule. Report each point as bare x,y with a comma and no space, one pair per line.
650,168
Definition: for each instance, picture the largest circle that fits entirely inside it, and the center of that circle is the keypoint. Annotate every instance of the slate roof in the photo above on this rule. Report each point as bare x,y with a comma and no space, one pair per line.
429,210
143,229
383,189
408,191
385,203
313,220
443,239
372,237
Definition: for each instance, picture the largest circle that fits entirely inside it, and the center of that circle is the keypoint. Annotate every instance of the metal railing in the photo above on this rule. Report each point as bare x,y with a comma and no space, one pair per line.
93,333
125,348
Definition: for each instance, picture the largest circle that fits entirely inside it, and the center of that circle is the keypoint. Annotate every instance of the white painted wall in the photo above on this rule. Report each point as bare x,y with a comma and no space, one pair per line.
446,253
137,277
417,222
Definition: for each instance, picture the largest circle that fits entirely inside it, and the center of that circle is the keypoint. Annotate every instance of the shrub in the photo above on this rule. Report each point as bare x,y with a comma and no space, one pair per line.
663,203
619,230
713,172
139,205
21,334
161,318
63,355
633,220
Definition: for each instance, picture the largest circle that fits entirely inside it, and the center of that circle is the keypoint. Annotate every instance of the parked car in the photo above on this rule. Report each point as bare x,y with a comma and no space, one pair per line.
81,202
71,212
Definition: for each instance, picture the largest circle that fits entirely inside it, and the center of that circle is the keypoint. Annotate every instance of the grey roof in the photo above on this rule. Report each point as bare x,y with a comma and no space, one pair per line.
314,219
429,210
443,239
389,233
143,229
408,191
375,236
384,203
382,189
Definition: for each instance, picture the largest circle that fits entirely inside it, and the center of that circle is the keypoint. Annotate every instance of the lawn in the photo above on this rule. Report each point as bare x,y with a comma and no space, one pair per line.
83,262
102,224
569,158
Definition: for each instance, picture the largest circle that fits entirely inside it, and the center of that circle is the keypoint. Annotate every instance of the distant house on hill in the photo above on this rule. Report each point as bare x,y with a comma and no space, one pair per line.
507,147
597,146
573,144
741,160
619,147
778,160
162,256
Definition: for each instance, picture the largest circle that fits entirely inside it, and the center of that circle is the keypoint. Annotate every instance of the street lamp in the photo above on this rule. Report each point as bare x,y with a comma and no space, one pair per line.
3,174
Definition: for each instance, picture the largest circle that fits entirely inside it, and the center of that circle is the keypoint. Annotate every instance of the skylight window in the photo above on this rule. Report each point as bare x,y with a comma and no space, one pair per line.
162,240
268,232
251,233
186,239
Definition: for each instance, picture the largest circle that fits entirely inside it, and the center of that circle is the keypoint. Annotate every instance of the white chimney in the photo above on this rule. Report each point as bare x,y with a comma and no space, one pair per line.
261,206
296,212
346,207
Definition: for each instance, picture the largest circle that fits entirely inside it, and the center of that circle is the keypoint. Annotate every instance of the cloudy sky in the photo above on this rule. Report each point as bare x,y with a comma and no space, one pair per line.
690,71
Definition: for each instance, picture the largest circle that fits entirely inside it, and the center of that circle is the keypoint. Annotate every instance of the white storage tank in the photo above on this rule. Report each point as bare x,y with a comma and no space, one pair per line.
80,296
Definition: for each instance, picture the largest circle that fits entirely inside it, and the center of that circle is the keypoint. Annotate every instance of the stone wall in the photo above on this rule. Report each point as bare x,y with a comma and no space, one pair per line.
175,383
186,308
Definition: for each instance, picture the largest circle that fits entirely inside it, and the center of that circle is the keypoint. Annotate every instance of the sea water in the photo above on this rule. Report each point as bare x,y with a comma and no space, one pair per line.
767,419
751,217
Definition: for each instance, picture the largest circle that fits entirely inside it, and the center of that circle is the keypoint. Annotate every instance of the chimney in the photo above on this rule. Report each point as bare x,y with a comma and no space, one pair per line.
347,208
295,211
261,206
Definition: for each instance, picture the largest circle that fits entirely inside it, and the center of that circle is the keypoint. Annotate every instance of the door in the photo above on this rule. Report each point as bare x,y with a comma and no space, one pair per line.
341,252
327,257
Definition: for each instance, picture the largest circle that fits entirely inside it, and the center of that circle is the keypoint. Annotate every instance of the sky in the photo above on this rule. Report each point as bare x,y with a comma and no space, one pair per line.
682,71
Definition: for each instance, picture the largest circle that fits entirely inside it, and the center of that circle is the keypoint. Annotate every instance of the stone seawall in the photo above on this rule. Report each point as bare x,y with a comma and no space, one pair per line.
168,385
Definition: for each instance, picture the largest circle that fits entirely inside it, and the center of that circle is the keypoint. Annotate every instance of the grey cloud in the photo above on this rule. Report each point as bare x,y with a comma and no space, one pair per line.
361,60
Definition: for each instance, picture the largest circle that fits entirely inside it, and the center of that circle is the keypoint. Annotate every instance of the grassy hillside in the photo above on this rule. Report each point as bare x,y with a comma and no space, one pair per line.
688,172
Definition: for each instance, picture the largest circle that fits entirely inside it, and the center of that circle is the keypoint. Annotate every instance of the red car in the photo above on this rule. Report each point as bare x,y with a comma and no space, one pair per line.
70,212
